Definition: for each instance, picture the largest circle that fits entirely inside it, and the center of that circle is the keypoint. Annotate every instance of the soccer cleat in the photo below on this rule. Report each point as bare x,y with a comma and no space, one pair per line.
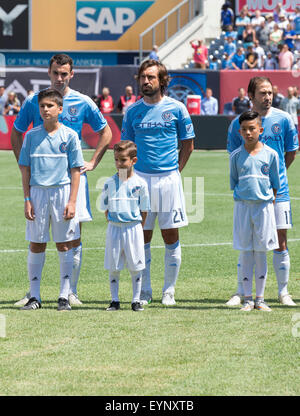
168,299
248,306
286,300
146,298
114,306
73,300
235,300
23,301
63,305
32,304
262,306
136,307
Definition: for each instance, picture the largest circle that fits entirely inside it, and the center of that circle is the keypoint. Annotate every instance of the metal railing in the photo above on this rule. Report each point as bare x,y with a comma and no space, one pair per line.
193,11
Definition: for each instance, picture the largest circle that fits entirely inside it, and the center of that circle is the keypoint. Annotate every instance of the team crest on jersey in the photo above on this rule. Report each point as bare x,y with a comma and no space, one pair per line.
189,128
63,147
166,116
265,169
72,110
276,129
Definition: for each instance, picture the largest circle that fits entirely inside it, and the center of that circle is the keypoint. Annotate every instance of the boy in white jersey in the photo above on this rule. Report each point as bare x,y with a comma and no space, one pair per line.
254,178
279,134
125,200
50,162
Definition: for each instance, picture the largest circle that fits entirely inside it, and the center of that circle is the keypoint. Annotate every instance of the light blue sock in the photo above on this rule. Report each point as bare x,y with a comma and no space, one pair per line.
172,266
281,263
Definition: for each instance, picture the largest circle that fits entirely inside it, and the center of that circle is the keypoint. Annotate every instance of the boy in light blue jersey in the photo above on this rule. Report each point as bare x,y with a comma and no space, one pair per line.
254,178
156,123
50,162
280,134
77,109
125,200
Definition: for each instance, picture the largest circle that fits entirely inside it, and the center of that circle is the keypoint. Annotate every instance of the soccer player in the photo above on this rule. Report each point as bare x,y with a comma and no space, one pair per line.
125,200
254,178
279,134
156,123
50,162
77,109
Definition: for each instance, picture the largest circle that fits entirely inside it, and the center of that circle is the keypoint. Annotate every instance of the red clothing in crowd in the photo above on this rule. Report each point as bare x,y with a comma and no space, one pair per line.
106,105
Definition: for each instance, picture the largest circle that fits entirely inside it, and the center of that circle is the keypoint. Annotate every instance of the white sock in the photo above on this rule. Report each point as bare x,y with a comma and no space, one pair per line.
281,263
114,278
146,279
240,288
136,278
77,258
261,271
247,258
172,266
66,265
35,264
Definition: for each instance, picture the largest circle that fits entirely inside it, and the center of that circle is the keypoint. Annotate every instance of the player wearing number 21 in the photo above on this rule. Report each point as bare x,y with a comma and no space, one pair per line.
156,123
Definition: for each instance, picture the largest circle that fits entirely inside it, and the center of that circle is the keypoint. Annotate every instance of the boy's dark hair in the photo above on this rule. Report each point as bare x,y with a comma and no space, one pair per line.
163,76
52,94
128,146
254,83
248,116
61,59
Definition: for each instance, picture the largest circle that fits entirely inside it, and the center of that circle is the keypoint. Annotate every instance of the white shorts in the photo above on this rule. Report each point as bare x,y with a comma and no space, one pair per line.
254,226
83,201
124,247
166,199
283,215
49,205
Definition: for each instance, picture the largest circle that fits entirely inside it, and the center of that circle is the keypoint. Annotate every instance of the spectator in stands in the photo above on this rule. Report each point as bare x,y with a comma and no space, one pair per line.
257,20
229,46
3,98
153,53
270,22
213,64
259,50
289,35
250,61
238,59
285,58
230,32
278,11
262,35
240,22
283,22
227,16
106,103
126,100
296,20
209,104
200,53
275,38
277,97
241,103
249,36
296,92
226,61
291,105
12,105
270,62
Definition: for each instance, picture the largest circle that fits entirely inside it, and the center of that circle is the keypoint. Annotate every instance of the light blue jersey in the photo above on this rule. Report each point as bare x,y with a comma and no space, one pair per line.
253,177
51,158
125,200
156,130
77,109
279,134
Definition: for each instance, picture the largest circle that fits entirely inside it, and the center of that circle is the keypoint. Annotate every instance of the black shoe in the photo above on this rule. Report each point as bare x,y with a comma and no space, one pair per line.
114,306
63,305
136,307
32,304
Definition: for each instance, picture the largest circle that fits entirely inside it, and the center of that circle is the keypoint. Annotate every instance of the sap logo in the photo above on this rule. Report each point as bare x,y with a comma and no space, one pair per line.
8,18
106,20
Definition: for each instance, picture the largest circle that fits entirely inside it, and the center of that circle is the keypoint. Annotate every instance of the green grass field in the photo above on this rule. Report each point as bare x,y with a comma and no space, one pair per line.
199,347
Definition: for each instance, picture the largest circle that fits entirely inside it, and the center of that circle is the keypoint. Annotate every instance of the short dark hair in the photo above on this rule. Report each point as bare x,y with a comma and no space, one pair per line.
61,59
126,145
52,94
163,75
254,83
249,115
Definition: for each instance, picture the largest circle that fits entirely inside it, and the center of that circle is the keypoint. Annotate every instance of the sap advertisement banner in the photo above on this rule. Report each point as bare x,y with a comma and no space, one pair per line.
107,20
266,6
14,32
